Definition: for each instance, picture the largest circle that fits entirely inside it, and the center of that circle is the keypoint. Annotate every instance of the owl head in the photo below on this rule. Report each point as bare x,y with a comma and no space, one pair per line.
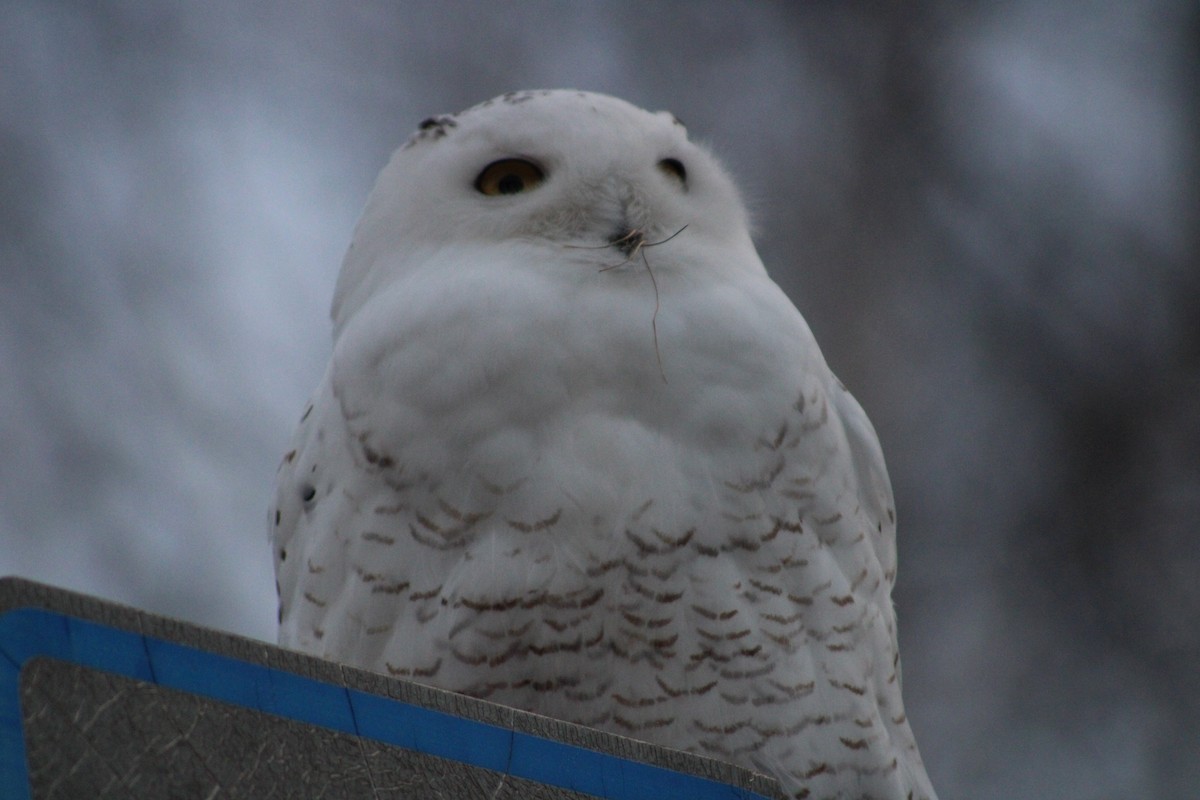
575,176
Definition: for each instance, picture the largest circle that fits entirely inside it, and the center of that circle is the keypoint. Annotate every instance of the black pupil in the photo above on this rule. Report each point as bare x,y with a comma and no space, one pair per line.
510,184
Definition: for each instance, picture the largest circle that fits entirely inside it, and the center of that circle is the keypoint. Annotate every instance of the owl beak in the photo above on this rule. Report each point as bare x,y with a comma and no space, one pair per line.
628,240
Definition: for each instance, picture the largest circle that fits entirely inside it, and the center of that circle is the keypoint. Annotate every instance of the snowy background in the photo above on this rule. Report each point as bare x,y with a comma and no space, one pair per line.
988,212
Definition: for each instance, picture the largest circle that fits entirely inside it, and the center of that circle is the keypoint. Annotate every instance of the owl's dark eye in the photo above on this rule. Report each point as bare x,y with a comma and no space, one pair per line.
509,176
673,168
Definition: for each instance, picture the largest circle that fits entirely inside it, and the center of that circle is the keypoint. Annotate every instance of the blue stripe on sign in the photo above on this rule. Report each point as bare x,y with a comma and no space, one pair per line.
26,633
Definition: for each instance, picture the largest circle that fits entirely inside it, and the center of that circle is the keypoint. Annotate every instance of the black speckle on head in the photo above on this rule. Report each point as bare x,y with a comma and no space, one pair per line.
432,128
282,555
308,492
278,516
513,98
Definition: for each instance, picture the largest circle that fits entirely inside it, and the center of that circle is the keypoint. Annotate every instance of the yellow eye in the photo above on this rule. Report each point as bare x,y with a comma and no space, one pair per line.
509,176
673,168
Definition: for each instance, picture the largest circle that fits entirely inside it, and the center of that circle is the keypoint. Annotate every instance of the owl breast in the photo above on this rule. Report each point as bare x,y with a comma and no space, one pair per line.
640,549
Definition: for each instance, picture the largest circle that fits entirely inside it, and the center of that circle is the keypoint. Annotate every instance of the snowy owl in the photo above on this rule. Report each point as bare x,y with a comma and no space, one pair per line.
576,453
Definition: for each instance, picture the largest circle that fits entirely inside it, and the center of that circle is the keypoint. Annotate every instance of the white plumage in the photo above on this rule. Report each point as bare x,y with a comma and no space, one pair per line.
575,452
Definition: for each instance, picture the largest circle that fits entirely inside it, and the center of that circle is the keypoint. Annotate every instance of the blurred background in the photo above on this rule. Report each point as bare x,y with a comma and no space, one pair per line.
988,213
